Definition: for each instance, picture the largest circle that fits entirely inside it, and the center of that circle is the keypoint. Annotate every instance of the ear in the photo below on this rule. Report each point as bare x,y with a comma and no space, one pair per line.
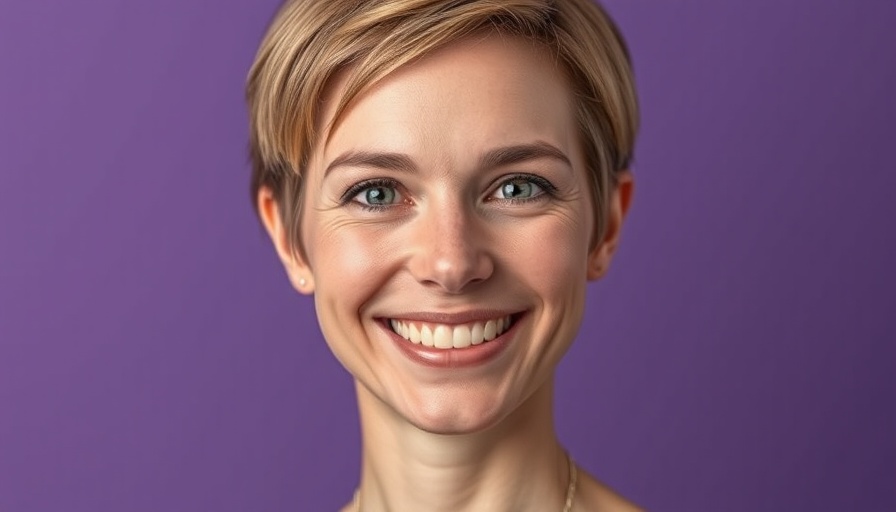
297,269
620,199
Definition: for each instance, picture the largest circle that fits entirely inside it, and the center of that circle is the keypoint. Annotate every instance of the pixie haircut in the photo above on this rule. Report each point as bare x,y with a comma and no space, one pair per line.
310,41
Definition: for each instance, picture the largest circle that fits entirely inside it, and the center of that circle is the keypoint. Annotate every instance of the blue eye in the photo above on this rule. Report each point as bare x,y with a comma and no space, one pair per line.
522,188
518,189
377,196
374,194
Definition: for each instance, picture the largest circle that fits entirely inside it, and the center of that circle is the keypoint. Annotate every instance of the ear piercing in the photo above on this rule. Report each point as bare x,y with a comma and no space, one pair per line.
302,282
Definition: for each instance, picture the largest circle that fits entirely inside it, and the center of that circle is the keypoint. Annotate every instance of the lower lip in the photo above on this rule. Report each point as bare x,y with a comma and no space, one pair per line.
474,355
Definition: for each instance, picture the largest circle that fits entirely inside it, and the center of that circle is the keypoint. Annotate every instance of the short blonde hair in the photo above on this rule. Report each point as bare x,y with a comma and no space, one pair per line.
309,41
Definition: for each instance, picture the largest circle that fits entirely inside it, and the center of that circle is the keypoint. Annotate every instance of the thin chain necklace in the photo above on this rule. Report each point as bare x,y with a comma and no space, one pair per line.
570,488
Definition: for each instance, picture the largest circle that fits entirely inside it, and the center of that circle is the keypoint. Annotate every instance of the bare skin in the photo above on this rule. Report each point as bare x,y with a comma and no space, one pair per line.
444,473
412,216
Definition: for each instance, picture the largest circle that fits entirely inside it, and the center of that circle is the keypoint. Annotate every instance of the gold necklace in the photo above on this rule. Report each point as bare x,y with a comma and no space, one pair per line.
570,488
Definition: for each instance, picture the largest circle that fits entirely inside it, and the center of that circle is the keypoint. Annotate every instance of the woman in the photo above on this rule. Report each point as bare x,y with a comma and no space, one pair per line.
445,177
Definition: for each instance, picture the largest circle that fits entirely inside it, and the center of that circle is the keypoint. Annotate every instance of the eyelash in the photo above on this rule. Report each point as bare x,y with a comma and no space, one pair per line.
548,189
349,195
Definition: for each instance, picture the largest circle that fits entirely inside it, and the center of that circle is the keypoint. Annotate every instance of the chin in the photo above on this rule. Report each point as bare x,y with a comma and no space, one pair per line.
453,426
454,413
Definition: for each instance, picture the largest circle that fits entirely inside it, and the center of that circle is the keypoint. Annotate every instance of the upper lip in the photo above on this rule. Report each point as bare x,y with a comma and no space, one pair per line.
463,317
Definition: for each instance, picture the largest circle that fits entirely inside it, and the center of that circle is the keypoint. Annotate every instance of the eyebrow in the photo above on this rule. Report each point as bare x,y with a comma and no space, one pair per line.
505,155
521,153
390,161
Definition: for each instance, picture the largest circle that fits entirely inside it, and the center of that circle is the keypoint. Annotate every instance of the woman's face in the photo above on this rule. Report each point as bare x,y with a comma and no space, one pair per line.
447,224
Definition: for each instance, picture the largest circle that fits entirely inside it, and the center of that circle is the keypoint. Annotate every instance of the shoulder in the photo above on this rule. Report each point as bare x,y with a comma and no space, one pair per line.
595,496
352,505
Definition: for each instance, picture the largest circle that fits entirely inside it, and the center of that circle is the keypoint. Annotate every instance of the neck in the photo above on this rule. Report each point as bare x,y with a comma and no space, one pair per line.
515,465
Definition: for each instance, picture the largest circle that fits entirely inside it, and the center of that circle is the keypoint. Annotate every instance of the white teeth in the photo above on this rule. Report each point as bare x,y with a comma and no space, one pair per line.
426,336
448,336
462,336
476,336
491,330
414,335
442,337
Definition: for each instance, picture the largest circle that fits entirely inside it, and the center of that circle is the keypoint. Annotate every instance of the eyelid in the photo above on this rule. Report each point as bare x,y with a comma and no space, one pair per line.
351,197
350,193
547,189
546,186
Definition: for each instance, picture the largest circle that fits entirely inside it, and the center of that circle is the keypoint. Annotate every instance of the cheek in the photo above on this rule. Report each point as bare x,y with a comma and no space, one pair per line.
350,265
349,261
553,255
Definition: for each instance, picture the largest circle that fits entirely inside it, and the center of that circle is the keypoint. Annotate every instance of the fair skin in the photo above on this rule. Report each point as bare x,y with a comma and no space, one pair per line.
453,194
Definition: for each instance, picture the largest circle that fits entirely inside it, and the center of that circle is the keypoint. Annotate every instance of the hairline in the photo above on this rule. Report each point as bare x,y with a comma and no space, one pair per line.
602,92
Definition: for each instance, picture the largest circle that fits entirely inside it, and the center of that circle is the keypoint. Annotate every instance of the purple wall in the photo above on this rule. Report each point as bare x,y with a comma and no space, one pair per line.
739,357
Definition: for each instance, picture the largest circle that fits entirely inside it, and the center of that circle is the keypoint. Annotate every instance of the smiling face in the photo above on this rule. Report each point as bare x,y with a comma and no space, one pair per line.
447,227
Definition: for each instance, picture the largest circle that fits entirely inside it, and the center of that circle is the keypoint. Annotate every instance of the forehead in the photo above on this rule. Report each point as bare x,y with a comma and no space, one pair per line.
481,91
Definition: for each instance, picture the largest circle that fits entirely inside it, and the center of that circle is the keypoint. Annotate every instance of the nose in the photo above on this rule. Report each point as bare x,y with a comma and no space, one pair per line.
452,250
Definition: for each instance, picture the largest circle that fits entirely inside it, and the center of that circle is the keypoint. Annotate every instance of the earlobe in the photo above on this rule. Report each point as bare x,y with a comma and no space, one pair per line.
620,200
297,270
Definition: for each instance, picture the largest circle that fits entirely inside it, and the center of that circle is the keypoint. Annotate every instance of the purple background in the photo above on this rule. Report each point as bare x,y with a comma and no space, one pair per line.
739,356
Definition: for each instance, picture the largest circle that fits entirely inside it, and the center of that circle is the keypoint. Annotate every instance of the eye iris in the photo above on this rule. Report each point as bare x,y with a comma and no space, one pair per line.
517,189
379,195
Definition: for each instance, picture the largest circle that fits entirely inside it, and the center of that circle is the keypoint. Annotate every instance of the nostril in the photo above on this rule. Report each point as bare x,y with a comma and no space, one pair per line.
454,273
452,253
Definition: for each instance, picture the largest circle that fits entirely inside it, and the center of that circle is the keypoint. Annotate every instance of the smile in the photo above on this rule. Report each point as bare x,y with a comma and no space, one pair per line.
444,336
